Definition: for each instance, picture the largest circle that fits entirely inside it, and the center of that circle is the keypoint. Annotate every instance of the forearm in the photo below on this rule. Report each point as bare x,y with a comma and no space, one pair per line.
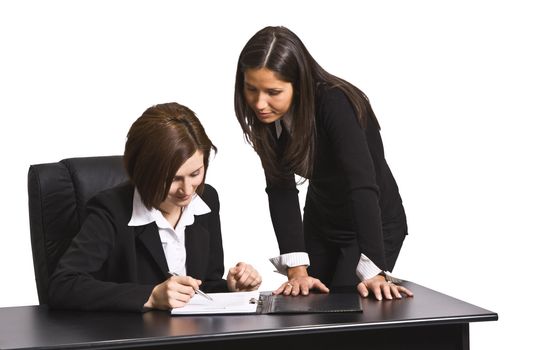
84,293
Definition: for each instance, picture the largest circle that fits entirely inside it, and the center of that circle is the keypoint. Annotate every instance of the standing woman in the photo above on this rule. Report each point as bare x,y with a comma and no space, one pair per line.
302,120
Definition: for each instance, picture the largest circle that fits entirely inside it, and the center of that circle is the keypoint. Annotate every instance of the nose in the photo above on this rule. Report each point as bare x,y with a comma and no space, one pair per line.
261,101
185,187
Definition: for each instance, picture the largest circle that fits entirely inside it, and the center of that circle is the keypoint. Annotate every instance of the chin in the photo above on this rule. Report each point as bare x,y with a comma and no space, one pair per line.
185,202
269,120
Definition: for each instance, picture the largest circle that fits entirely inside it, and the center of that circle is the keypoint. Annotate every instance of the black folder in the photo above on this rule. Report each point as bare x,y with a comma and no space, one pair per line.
312,303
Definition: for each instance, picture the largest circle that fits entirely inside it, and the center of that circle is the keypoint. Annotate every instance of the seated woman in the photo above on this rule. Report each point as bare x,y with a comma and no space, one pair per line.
152,242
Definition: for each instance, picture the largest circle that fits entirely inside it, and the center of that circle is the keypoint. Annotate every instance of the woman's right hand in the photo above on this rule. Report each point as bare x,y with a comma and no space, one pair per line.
173,292
299,282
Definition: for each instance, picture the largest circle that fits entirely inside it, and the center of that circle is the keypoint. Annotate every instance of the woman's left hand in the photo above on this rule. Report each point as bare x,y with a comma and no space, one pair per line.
243,277
380,287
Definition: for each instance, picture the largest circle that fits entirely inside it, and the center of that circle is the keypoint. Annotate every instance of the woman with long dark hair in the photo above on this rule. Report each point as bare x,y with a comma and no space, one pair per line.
302,120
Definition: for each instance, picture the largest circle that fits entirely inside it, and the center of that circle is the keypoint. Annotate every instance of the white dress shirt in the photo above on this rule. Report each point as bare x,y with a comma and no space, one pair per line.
173,243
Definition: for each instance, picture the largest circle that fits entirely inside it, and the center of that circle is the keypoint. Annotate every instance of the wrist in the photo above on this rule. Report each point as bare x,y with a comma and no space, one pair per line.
297,271
389,278
381,275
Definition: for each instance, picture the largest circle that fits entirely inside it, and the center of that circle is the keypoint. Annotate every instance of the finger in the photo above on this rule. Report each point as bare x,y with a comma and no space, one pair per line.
231,283
185,285
257,279
252,281
405,291
296,289
386,288
287,289
177,299
240,268
362,289
176,303
317,284
176,280
183,289
193,282
178,296
376,289
281,289
396,291
242,281
304,289
232,271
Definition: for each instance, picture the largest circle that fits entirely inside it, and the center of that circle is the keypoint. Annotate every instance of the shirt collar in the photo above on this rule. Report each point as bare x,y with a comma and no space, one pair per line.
143,216
284,122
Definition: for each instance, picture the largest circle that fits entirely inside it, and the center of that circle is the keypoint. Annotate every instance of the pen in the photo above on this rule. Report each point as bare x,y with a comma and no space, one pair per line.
197,291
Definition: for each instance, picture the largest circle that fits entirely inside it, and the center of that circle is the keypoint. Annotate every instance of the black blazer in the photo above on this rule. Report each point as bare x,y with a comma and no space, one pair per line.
351,195
112,266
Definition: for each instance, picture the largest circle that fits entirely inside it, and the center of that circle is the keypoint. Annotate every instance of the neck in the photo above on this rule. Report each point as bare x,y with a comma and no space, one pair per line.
173,216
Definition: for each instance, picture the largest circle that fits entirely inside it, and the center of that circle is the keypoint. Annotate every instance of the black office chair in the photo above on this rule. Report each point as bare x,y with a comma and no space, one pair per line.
57,196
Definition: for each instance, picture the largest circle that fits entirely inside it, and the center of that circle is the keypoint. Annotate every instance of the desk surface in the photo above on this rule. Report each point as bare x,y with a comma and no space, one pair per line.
38,327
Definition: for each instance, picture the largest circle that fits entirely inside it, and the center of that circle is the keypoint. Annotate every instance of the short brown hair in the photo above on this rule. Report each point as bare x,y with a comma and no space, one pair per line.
158,143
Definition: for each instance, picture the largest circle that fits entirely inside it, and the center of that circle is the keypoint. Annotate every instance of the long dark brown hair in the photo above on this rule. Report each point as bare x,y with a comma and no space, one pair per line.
158,143
281,51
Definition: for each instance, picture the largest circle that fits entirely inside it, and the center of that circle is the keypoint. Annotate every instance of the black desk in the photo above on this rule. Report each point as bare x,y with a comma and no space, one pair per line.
430,320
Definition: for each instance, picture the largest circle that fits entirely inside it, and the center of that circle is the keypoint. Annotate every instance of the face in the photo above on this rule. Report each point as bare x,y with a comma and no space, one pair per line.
188,177
269,97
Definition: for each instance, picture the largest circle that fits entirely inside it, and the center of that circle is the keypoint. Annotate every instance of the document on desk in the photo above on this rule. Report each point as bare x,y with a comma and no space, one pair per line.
222,303
266,303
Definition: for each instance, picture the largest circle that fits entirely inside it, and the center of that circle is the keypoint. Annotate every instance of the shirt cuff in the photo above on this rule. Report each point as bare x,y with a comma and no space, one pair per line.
366,269
284,261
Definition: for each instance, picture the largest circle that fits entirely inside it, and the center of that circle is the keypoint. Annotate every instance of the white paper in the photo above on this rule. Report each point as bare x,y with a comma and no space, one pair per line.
222,303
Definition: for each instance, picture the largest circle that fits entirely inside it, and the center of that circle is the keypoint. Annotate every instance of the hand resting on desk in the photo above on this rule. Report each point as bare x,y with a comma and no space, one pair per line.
380,287
300,283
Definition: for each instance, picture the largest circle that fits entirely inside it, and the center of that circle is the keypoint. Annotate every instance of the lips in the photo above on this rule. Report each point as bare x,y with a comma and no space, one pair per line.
264,115
182,199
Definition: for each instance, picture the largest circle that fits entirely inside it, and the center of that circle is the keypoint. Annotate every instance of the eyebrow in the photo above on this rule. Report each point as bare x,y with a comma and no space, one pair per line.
180,176
277,89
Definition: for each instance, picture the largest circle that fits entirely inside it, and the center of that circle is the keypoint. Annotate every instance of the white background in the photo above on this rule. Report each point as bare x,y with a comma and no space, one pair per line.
452,83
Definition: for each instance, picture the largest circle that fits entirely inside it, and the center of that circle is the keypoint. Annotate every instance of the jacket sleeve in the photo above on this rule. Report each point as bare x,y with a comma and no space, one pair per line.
284,208
350,147
79,281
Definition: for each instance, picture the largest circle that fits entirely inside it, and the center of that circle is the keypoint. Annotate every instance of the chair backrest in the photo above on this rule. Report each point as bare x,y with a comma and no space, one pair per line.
57,196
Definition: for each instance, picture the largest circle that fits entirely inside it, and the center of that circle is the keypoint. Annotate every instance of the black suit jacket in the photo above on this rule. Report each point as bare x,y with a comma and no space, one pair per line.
351,195
112,266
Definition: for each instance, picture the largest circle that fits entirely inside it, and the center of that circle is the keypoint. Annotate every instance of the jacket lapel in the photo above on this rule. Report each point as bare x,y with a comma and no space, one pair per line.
197,247
149,236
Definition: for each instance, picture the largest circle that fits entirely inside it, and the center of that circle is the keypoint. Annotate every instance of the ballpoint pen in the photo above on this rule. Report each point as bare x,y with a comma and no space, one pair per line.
197,291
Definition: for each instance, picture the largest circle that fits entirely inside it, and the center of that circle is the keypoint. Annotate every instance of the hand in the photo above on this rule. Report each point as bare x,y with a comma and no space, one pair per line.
380,286
243,277
299,282
173,292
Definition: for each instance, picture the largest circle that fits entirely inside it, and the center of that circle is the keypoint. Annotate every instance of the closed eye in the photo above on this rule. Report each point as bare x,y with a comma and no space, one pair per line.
193,174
